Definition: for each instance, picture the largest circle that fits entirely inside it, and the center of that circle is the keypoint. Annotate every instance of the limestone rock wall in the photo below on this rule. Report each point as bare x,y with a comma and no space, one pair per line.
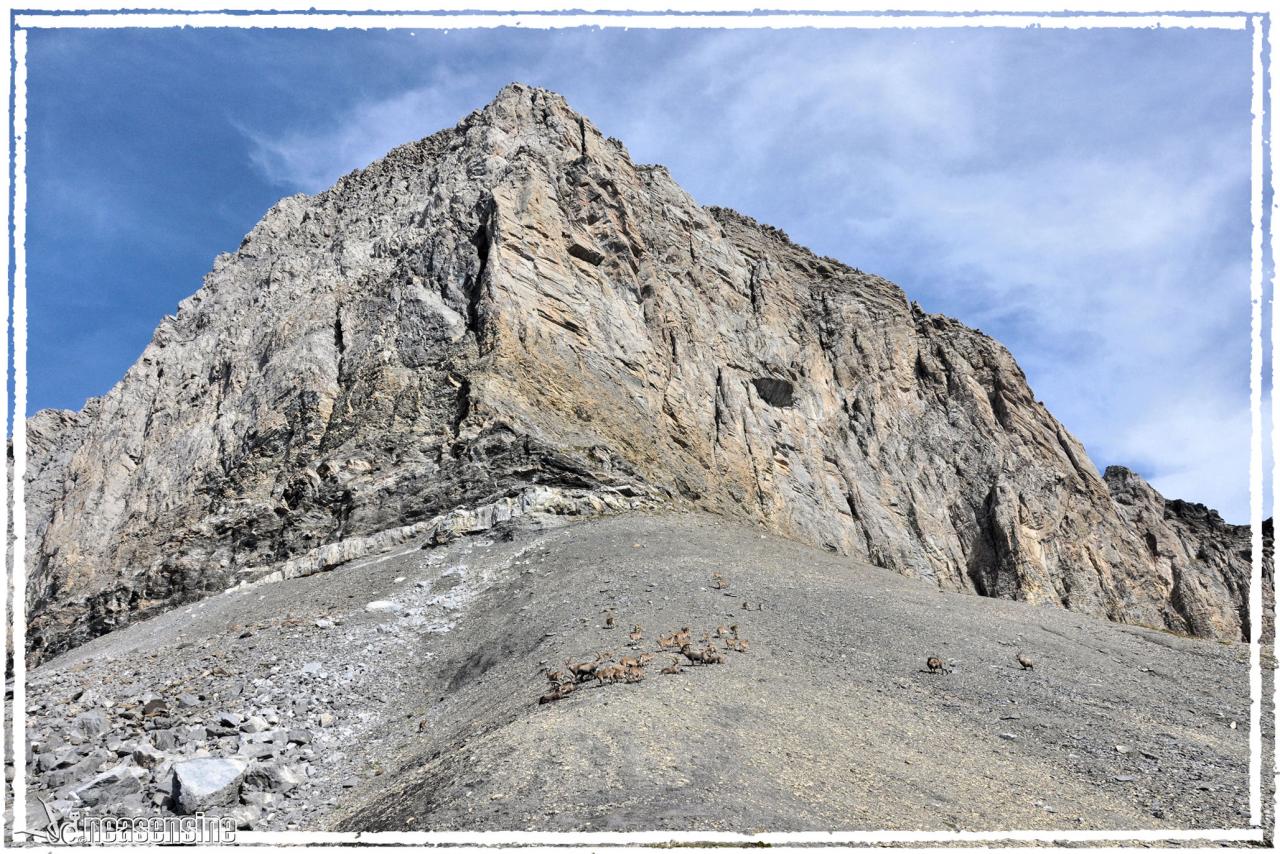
513,302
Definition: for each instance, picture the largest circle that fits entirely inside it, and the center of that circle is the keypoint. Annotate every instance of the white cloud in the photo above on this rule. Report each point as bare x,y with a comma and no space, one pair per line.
1168,442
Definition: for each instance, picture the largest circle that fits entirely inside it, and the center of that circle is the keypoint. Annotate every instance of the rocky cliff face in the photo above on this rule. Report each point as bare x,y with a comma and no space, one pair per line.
514,303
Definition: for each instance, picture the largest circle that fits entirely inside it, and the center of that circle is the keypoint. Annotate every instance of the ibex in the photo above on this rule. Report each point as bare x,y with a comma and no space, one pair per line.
718,581
708,655
557,693
583,671
672,668
935,665
636,634
610,673
1027,663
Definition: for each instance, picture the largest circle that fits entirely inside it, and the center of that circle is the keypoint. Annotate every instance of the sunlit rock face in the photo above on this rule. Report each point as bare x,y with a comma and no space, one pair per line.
513,303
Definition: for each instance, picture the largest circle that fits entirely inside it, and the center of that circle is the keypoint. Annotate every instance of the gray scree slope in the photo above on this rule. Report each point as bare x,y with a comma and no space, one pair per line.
422,713
514,302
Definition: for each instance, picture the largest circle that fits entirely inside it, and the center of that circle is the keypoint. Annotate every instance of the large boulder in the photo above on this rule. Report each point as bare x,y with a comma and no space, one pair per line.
200,785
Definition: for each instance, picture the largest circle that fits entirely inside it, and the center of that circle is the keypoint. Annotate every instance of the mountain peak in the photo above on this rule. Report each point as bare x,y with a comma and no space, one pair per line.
511,317
517,91
518,107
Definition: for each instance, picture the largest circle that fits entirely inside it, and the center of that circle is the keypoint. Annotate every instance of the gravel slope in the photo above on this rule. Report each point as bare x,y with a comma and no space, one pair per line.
828,721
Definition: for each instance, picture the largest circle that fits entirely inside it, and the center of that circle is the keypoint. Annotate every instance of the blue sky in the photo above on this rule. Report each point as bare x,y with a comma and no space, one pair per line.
1080,195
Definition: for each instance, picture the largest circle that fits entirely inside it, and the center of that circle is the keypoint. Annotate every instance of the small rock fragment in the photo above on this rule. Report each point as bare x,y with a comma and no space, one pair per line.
155,708
146,756
245,816
111,786
90,724
254,724
273,778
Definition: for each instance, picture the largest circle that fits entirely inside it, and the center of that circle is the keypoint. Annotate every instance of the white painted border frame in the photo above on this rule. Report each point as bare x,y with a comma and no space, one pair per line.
1257,109
18,232
537,15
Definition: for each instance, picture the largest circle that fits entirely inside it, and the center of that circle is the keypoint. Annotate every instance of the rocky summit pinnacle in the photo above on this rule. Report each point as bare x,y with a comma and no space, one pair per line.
511,316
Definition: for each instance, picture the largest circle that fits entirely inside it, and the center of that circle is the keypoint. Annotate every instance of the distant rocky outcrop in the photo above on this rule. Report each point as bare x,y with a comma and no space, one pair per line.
1206,560
514,303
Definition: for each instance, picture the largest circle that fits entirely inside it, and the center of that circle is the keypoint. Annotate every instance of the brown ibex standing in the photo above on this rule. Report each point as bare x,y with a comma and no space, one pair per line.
935,665
582,671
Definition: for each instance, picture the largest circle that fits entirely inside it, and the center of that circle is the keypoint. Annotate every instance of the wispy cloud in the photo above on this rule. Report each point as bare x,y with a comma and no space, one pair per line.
312,159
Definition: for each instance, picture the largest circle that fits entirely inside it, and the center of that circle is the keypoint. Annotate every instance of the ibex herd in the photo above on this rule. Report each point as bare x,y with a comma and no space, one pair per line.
603,670
937,665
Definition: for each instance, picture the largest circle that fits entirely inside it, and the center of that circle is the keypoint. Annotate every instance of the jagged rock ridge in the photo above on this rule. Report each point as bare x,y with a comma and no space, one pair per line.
513,303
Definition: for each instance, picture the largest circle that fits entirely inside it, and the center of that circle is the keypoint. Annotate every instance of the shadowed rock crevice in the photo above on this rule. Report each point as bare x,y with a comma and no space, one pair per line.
775,392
